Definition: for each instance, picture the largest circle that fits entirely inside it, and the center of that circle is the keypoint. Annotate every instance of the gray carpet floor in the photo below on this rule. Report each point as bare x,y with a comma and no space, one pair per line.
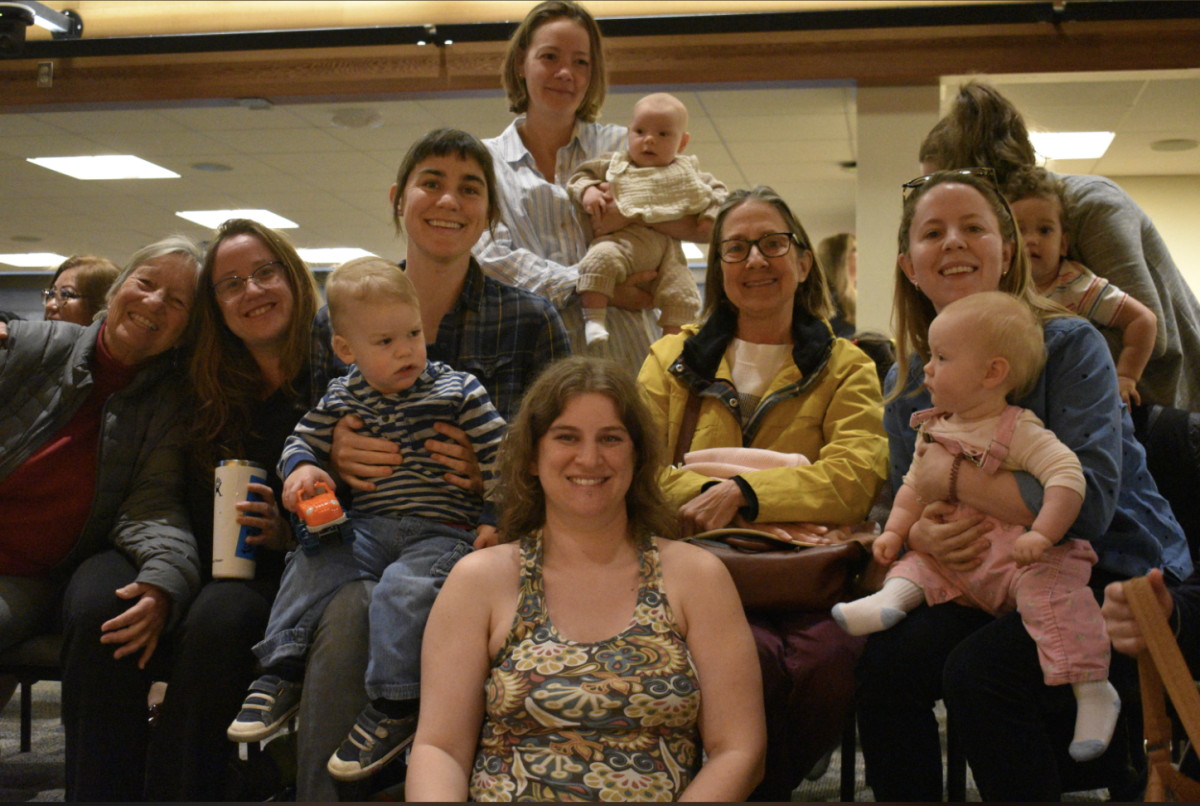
38,775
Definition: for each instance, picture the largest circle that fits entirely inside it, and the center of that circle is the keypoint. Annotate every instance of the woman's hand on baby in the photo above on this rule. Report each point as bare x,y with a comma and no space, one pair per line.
931,476
1029,547
1122,626
458,455
274,532
957,544
630,296
357,458
610,218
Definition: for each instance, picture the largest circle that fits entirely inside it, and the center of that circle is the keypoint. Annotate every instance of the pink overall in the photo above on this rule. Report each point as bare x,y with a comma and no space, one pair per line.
1056,605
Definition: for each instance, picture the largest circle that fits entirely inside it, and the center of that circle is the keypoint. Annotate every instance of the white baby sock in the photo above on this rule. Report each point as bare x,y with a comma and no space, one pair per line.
1097,708
879,611
594,329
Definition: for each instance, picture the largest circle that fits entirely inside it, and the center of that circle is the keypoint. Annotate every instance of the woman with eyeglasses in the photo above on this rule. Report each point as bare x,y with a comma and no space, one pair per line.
94,538
249,382
78,289
958,237
770,374
1107,232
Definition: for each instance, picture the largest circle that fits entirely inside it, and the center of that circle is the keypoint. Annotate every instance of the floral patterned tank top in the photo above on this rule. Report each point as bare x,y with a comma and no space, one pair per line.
613,720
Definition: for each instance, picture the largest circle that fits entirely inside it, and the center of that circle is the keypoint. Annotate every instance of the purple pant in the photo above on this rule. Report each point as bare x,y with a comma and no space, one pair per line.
808,685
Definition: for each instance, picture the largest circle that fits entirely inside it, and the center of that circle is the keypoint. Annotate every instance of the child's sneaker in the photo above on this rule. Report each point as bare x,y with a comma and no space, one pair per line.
373,742
269,705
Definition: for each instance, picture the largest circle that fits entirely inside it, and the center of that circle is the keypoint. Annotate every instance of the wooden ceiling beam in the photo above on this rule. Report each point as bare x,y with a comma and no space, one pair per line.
870,57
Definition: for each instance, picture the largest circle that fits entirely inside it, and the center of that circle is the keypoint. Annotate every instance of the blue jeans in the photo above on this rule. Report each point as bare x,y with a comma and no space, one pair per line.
409,557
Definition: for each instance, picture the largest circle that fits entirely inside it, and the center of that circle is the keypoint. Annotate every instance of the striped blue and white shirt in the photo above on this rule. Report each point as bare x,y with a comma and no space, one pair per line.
415,487
542,235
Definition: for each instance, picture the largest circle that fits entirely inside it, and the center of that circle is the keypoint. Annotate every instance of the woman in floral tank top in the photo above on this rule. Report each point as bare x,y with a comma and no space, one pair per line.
587,660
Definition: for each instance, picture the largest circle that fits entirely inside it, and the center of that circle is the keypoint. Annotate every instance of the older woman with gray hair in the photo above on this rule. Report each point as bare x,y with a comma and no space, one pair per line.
91,489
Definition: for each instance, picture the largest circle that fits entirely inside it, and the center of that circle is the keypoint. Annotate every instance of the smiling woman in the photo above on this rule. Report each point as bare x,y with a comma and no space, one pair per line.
95,527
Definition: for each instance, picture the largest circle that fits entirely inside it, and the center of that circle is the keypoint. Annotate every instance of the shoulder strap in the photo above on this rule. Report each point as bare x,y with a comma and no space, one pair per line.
691,415
1162,659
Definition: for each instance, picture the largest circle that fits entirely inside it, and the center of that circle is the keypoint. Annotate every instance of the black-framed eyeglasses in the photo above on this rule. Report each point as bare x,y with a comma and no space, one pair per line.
773,244
264,275
63,295
983,172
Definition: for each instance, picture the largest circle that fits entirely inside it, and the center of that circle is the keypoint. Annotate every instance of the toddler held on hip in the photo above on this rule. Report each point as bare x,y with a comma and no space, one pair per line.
982,348
652,182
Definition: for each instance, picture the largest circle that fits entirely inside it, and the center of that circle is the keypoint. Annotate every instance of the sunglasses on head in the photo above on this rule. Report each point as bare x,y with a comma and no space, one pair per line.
982,172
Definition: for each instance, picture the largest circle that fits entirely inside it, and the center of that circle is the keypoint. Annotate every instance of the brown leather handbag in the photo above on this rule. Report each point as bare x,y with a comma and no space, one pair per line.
1162,664
774,575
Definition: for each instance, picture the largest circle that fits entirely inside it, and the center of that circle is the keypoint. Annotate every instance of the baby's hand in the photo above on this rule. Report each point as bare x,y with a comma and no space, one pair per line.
486,535
1129,392
1030,547
886,547
304,478
594,201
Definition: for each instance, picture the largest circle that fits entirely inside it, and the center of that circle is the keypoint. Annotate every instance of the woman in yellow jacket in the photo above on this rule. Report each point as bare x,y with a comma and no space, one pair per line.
771,375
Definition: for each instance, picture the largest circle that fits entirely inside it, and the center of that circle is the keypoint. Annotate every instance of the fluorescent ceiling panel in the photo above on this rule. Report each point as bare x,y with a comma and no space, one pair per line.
215,218
33,260
1071,145
331,256
118,166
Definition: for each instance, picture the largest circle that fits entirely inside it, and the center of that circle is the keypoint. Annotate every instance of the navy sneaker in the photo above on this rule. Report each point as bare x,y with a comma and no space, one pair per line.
269,705
373,742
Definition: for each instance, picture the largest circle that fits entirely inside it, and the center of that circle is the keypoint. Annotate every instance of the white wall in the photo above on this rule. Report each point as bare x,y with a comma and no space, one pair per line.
1173,204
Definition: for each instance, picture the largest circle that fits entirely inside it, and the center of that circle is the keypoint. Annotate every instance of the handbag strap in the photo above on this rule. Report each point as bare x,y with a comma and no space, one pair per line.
1162,660
687,429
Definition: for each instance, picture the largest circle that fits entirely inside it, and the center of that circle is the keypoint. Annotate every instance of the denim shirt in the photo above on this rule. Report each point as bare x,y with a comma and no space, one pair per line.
1127,521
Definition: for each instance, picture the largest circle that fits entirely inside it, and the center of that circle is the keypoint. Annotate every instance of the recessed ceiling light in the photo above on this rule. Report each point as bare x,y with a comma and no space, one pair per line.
332,256
215,167
215,218
114,166
1174,144
1071,145
356,119
33,260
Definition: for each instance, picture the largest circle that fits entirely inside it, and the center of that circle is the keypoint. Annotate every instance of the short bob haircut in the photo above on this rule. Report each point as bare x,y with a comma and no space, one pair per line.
518,46
442,143
812,295
366,279
94,275
912,312
224,374
1008,328
522,500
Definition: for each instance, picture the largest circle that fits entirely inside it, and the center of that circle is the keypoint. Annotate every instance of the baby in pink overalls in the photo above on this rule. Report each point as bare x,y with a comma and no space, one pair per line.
983,347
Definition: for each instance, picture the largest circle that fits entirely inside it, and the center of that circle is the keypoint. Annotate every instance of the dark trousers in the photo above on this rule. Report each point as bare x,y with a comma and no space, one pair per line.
808,686
1015,730
212,668
103,700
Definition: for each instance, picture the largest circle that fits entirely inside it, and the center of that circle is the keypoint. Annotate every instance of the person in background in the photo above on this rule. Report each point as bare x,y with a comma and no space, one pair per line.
78,289
95,530
555,78
1108,232
837,256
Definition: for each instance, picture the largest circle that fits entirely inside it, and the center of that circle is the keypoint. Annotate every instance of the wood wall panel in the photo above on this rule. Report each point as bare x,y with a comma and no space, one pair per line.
873,57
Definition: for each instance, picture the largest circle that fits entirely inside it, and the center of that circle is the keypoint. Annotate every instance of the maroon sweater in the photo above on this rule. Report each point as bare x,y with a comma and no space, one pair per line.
46,501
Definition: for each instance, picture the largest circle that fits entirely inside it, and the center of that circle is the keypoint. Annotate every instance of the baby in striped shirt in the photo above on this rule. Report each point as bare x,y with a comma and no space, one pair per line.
409,531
